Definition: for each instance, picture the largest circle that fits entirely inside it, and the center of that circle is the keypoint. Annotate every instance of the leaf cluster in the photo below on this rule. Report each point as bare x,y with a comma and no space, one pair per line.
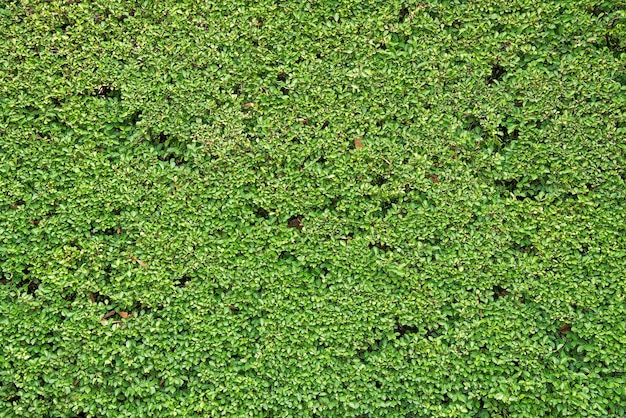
323,208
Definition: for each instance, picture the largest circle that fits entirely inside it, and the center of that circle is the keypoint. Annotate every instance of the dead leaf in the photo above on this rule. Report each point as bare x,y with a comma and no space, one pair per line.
357,142
248,105
109,314
104,322
118,230
124,314
565,328
141,263
295,222
34,222
433,178
92,297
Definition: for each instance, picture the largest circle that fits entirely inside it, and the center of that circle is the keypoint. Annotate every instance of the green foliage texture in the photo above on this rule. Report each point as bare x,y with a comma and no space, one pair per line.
194,165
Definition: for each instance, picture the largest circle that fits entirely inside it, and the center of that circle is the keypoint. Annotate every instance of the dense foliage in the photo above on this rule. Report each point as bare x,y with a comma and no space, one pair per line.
313,208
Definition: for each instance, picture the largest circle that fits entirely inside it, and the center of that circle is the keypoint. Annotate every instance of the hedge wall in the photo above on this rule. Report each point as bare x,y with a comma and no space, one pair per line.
313,208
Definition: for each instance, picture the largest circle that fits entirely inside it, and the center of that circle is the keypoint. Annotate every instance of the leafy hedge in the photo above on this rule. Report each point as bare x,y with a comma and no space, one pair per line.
313,208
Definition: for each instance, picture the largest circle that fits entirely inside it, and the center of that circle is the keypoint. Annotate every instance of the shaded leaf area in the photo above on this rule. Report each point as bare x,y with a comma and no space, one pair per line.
330,209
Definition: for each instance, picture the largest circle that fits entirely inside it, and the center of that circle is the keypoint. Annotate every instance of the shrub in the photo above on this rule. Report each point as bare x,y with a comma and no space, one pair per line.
337,208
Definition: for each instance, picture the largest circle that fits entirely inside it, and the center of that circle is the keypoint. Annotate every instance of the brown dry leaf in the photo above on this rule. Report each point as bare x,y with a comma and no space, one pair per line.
357,142
249,105
104,322
109,314
124,314
565,328
92,297
141,263
118,230
433,178
295,222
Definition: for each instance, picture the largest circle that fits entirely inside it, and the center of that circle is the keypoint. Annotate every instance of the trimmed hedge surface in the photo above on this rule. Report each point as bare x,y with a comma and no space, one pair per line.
313,208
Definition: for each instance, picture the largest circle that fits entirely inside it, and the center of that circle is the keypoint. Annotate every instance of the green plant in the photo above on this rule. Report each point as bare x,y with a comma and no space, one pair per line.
330,208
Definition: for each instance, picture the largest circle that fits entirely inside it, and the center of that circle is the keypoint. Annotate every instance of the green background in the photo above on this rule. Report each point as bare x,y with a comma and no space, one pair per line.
195,166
